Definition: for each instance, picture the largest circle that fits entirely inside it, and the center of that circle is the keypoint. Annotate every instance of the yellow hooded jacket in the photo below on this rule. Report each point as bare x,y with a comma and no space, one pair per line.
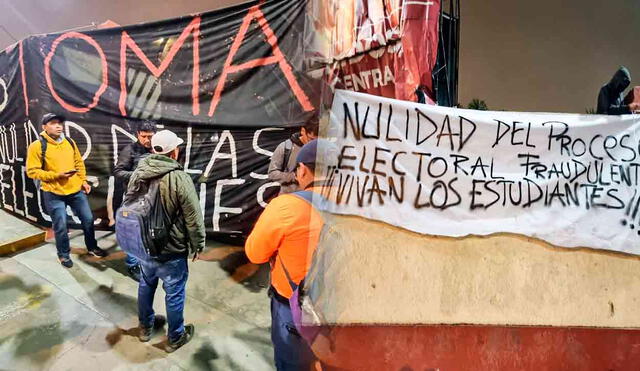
59,158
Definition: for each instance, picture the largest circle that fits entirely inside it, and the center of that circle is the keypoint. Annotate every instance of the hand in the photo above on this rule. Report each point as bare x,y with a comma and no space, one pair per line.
196,256
86,188
634,106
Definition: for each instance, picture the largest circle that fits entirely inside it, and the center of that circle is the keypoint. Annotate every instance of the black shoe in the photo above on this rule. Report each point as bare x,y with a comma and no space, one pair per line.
134,272
98,252
145,333
186,337
66,262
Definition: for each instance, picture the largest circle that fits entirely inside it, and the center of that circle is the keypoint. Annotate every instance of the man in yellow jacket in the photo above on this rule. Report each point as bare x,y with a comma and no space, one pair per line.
286,234
56,162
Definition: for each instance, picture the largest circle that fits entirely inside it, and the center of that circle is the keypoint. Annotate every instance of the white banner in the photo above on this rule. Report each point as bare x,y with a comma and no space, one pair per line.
569,179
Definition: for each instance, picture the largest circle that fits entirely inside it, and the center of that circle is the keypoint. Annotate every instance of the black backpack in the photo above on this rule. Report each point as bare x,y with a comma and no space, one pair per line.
142,223
288,145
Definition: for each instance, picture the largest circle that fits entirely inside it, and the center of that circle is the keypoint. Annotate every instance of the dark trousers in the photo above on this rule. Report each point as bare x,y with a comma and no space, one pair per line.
290,351
174,274
57,207
129,260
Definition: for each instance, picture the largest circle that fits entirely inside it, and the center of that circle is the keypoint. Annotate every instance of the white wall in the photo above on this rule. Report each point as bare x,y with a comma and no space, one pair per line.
368,272
545,55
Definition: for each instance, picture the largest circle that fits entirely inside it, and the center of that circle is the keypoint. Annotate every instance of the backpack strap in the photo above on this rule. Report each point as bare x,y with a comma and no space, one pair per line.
73,143
293,285
307,196
288,145
43,146
178,211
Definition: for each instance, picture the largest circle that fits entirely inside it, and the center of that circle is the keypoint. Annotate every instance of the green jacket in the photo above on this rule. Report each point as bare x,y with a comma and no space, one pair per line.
180,200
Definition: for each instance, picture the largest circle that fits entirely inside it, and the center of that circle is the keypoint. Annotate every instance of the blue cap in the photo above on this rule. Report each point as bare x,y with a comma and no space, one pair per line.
307,154
50,117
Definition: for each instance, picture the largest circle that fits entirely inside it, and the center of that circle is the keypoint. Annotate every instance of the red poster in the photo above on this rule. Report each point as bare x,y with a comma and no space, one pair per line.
381,47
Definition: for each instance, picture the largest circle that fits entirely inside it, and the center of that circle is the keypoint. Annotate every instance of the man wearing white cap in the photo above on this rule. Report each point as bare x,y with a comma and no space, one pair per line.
186,234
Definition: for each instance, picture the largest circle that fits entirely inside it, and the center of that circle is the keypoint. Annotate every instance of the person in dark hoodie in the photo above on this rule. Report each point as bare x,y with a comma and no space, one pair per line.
611,99
128,160
131,155
283,161
186,234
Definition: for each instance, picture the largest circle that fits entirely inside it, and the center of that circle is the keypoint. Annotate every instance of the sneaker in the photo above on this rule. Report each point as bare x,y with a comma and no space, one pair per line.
186,337
66,262
98,252
134,272
145,333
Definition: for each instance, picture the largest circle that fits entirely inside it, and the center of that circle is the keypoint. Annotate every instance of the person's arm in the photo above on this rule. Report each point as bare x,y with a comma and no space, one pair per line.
622,109
266,235
605,106
603,102
190,206
34,164
276,165
124,166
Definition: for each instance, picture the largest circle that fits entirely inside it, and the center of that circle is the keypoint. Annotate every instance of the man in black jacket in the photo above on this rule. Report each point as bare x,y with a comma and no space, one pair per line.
128,160
611,100
283,161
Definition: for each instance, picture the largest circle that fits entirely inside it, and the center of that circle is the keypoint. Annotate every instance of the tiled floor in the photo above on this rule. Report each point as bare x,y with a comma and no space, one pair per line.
84,318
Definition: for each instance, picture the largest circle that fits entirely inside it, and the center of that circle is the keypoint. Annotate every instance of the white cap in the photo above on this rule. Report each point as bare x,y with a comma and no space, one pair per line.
165,141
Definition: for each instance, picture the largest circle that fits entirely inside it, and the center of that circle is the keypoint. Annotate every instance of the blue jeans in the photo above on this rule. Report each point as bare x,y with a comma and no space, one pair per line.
131,261
290,351
174,274
57,207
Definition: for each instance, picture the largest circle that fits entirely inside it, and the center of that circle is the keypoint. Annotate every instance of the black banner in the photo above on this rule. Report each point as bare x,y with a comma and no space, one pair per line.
231,83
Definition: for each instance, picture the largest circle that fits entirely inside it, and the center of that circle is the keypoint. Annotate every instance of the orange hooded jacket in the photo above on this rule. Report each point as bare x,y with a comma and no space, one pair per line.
286,232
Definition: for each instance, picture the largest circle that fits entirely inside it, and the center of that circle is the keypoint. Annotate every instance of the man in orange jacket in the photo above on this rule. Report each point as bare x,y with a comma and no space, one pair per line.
286,235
